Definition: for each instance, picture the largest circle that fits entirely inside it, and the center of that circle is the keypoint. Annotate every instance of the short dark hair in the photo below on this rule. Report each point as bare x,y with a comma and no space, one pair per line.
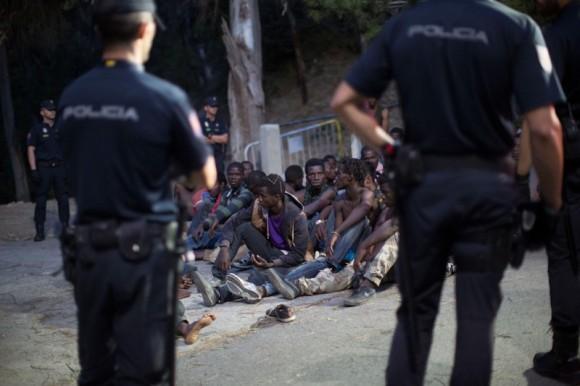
274,184
249,163
121,28
294,173
329,157
313,162
367,148
235,164
254,178
357,168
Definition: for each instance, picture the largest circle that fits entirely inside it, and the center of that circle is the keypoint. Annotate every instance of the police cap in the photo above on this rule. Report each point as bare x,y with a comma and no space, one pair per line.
48,104
104,8
212,101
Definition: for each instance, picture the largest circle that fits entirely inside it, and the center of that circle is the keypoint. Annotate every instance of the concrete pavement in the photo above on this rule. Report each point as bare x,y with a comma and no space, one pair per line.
326,345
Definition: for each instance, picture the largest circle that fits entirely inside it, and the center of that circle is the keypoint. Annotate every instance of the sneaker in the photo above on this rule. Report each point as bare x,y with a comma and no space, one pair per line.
360,296
244,289
285,287
282,313
207,291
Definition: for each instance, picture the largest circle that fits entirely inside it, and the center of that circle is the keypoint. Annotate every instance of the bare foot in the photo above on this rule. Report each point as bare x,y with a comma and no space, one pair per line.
194,328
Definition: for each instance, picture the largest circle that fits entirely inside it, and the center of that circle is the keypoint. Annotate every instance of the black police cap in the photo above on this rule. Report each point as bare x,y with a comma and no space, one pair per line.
104,8
212,101
48,104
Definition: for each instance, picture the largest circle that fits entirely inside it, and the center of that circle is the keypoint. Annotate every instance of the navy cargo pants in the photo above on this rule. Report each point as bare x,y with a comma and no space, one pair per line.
51,174
467,214
124,323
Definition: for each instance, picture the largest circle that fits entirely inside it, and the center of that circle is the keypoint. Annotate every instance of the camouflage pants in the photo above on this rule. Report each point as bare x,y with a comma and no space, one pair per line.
375,271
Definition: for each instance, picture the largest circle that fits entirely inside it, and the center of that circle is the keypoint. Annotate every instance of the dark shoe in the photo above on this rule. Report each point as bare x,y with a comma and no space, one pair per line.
360,296
551,366
39,233
243,289
282,313
207,291
243,264
561,363
286,288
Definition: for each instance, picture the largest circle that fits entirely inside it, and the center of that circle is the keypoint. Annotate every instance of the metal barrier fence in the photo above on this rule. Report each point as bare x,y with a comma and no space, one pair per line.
299,145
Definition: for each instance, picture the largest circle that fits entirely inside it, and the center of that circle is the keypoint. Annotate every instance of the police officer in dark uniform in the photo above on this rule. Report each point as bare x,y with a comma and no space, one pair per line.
563,40
457,64
126,133
47,165
215,130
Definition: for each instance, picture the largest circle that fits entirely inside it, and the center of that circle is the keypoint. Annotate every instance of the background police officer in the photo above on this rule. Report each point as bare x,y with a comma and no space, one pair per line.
215,131
123,130
563,40
457,63
46,163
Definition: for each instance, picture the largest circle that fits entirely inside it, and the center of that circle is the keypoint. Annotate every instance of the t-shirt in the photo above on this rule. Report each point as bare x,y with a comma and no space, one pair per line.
275,231
46,141
215,127
457,64
125,134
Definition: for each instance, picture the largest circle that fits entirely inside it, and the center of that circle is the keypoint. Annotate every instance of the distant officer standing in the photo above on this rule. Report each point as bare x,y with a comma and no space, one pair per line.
215,130
127,134
563,40
457,64
46,162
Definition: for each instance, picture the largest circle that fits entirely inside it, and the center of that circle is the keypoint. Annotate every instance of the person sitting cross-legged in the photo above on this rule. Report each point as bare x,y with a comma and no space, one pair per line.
274,228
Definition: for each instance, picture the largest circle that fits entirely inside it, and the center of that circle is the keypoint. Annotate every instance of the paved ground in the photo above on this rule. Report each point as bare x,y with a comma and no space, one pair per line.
326,345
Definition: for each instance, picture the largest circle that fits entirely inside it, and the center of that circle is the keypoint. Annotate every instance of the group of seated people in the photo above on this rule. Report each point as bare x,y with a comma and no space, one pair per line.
334,233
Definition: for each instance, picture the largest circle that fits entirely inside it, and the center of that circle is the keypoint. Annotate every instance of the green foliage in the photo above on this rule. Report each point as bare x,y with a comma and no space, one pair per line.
367,16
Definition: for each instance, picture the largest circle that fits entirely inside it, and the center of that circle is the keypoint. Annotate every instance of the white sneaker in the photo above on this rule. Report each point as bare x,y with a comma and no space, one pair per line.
244,289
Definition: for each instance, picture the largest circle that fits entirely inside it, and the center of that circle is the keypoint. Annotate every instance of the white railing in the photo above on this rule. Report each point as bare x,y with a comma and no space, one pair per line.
299,145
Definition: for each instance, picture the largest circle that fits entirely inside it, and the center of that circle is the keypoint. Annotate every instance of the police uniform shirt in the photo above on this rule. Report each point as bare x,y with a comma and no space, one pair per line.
46,141
123,131
215,127
563,40
457,64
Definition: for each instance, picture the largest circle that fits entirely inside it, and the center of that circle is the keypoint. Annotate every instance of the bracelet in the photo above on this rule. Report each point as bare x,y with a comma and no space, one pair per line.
335,233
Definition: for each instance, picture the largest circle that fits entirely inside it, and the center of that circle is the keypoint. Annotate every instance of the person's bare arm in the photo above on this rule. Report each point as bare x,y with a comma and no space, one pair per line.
323,201
31,157
358,212
345,103
204,178
525,152
547,153
221,139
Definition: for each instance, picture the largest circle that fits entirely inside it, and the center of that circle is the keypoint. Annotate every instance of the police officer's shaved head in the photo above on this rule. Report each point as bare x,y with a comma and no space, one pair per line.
121,28
123,21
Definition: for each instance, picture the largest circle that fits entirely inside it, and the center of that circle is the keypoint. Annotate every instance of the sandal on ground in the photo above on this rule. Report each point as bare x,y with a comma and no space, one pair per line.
282,313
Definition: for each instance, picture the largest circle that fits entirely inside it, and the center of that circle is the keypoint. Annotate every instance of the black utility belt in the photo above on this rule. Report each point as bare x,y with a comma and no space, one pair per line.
134,239
50,164
436,163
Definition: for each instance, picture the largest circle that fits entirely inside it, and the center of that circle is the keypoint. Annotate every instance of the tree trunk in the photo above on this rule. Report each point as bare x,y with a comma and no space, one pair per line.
14,149
245,93
300,66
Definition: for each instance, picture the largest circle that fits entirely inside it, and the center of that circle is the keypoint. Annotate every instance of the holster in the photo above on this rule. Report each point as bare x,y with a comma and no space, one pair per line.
68,248
533,228
134,240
